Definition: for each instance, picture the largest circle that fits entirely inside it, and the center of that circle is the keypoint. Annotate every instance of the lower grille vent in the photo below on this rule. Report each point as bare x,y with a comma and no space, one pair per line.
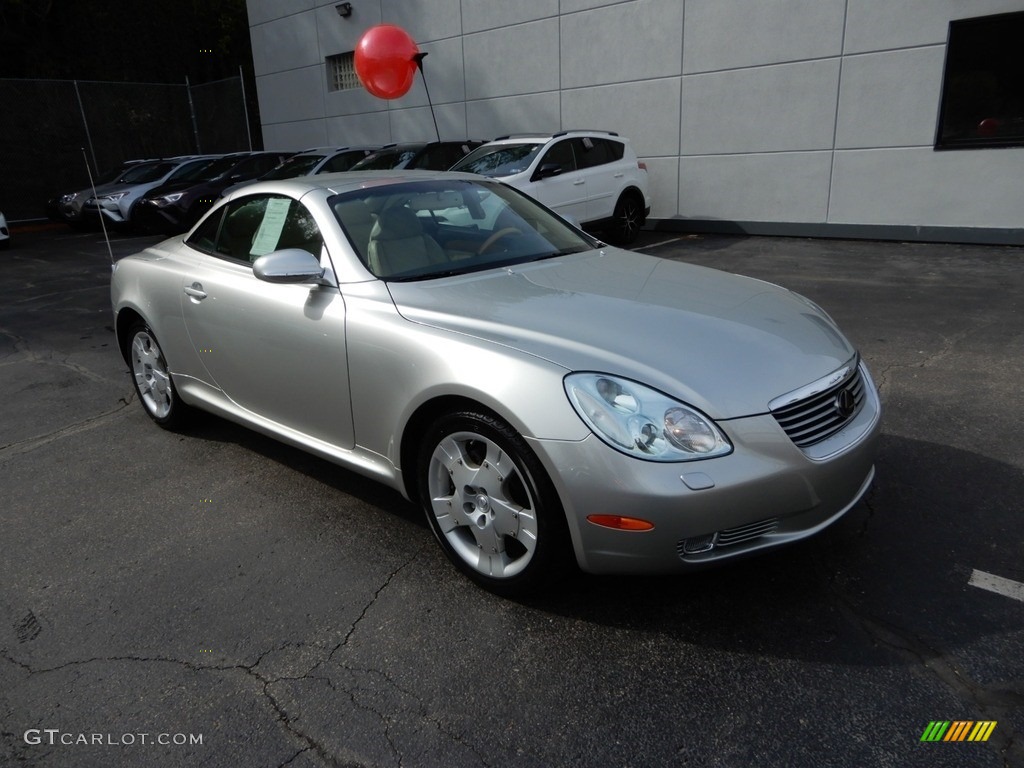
728,537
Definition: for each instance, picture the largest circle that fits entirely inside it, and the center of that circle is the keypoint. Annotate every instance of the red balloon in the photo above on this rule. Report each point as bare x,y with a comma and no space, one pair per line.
385,61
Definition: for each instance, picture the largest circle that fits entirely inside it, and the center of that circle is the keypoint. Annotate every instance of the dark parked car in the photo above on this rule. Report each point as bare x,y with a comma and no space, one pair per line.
175,207
425,156
67,206
312,161
117,201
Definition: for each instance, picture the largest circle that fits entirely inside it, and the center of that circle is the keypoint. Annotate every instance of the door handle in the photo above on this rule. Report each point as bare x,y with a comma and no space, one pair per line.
577,183
195,291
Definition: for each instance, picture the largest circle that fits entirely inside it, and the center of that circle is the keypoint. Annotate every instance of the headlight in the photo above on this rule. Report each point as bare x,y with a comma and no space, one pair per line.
112,198
165,200
642,422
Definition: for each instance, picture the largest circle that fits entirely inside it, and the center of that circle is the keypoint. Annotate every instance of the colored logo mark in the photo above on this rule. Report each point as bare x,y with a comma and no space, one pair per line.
958,730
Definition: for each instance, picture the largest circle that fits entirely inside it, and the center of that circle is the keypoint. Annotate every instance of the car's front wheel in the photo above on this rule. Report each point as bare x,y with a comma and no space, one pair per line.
491,504
152,379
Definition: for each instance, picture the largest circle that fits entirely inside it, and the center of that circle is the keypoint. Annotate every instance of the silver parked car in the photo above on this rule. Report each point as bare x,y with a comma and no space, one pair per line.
547,399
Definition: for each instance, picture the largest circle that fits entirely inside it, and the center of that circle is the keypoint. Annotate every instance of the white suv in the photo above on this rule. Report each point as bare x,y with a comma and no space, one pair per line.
591,177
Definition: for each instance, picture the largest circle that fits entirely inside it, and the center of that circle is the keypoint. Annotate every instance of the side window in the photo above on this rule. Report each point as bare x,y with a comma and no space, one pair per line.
560,154
265,163
591,152
251,227
341,162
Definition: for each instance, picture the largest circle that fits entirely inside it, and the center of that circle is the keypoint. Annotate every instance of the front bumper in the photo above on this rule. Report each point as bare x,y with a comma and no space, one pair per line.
765,494
168,218
111,212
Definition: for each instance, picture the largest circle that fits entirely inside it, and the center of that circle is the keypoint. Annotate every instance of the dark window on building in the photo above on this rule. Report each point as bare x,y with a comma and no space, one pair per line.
341,72
983,86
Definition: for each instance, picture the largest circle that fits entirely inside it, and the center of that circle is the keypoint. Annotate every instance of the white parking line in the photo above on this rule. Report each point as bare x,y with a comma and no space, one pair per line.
997,584
655,245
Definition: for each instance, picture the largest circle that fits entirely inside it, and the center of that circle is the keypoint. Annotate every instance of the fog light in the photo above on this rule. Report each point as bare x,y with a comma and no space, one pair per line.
620,523
697,544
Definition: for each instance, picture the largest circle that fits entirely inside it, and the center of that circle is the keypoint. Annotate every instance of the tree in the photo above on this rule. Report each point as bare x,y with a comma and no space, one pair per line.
159,41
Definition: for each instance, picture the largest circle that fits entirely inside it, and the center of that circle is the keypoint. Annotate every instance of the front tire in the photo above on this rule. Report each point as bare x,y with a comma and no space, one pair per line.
152,379
491,505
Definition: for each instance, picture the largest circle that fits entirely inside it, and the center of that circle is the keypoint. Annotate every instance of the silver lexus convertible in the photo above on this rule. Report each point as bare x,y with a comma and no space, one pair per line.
546,398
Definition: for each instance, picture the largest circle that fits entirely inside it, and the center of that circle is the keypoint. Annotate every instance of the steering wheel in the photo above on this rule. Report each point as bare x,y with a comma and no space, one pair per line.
490,241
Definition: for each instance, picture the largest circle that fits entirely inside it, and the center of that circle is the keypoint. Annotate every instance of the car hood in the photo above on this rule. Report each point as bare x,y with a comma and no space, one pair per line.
110,189
723,343
101,189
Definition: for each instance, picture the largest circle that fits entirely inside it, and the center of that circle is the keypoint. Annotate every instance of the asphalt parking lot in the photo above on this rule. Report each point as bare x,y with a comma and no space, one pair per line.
217,599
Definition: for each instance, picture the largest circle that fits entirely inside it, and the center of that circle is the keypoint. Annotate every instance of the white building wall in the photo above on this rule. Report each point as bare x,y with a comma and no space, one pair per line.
781,115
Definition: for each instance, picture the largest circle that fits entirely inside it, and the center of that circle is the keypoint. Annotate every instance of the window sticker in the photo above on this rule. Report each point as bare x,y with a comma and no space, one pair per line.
269,233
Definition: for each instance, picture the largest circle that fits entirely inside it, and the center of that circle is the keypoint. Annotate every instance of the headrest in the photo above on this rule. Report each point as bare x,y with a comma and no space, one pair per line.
396,224
354,213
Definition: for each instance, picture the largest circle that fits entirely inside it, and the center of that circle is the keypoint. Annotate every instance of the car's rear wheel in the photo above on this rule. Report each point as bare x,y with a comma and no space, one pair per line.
491,504
152,379
627,219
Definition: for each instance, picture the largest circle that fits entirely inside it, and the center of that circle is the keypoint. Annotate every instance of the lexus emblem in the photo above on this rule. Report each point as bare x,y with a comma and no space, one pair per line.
845,404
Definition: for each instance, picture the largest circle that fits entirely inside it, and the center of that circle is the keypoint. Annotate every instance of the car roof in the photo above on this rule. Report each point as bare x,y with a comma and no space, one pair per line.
333,150
544,137
349,181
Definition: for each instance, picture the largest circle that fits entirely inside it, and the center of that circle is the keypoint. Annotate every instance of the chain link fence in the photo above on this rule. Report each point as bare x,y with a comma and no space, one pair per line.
50,129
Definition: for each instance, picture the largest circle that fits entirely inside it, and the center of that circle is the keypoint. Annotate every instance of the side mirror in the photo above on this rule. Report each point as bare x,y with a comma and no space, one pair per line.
547,170
292,265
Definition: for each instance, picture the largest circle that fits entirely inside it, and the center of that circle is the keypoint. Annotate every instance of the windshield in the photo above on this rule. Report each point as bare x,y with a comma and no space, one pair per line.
145,172
215,169
427,229
384,160
499,159
439,157
300,165
343,161
186,169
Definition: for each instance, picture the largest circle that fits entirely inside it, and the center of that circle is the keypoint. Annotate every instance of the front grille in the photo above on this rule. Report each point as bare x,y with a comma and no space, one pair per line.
729,537
818,416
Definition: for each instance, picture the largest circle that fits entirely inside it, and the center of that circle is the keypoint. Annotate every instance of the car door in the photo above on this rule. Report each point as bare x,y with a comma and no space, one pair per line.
277,350
604,179
564,192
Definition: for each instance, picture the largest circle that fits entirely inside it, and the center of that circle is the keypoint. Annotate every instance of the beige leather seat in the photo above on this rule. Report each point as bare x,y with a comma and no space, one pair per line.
355,216
398,244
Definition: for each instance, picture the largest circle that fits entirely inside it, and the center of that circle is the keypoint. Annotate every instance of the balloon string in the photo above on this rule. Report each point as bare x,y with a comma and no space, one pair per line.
419,63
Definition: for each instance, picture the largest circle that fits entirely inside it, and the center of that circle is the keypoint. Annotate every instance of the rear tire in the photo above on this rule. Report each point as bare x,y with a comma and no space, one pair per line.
627,219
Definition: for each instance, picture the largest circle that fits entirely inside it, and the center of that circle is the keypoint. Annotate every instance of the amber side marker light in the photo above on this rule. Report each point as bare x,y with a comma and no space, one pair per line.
620,523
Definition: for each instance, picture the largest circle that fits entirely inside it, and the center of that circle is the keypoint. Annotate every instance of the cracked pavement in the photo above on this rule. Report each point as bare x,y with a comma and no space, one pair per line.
291,613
